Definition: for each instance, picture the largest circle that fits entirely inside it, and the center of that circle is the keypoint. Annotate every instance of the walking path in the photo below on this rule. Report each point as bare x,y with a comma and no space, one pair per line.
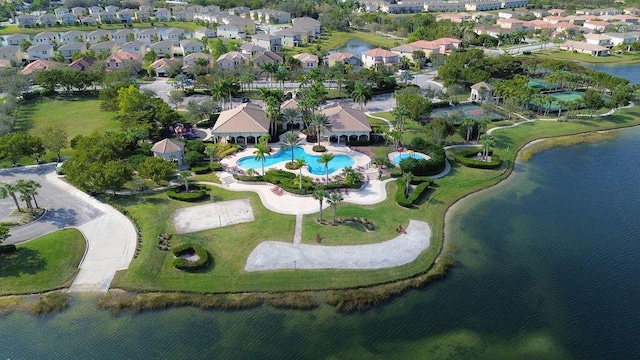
297,236
274,255
111,242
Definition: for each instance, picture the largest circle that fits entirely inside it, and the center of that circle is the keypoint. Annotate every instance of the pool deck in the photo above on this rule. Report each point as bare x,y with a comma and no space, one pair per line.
416,155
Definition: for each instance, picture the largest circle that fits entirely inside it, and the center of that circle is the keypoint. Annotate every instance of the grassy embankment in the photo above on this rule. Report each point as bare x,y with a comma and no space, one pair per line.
231,245
47,263
15,29
76,115
626,58
337,39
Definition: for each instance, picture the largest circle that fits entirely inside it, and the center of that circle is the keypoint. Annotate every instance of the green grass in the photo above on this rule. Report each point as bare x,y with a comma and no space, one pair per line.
337,39
14,29
631,57
46,263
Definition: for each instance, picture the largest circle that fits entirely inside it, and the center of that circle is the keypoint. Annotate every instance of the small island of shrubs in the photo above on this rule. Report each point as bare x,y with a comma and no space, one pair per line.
190,257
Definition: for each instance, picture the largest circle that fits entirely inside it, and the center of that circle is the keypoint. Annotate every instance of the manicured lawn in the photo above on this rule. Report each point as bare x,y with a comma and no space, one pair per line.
568,55
46,263
337,39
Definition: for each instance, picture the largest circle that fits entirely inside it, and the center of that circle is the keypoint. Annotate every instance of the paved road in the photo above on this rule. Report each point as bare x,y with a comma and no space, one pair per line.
62,210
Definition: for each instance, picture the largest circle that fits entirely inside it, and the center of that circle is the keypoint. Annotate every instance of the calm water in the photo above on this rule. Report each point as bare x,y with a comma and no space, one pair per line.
354,46
406,155
548,270
628,71
314,167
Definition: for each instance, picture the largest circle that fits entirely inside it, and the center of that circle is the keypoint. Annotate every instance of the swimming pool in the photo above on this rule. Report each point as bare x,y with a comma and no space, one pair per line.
314,167
404,155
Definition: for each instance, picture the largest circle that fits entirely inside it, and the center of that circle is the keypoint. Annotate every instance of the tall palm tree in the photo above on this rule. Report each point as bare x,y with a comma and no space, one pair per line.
407,177
482,124
183,177
300,163
401,114
10,190
33,190
326,159
25,190
290,140
334,199
470,123
262,150
320,195
282,75
319,123
291,115
269,69
361,94
218,93
487,142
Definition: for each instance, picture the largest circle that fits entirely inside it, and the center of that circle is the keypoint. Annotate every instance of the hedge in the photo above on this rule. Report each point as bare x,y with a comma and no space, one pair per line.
201,169
359,143
7,249
177,194
186,265
463,158
288,182
414,196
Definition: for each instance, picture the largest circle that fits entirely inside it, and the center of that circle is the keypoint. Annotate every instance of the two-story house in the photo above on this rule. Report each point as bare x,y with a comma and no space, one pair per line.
97,36
378,56
134,47
69,50
17,39
231,32
307,61
269,42
232,60
189,46
40,52
27,21
72,36
124,35
163,14
11,53
162,48
148,36
46,37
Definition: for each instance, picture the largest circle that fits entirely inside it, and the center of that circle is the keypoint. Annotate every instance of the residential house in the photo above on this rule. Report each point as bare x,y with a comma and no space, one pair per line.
46,37
162,48
292,38
60,11
107,18
40,52
47,20
124,35
485,5
72,36
40,65
142,16
631,11
244,124
585,48
179,15
405,51
111,9
490,30
174,35
97,36
311,25
231,32
511,4
562,26
307,61
270,16
250,49
455,17
170,150
623,38
148,36
379,56
269,42
601,26
539,13
557,12
27,21
94,11
347,124
192,58
205,33
513,24
188,46
342,57
11,53
198,9
125,16
134,47
247,24
79,11
5,64
88,21
444,6
162,14
538,24
598,39
161,66
67,19
232,60
17,39
208,9
145,7
117,61
69,50
239,11
82,64
554,19
110,47
440,46
266,57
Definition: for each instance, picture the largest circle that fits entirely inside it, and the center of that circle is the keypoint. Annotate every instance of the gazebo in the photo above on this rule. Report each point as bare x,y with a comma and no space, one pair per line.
481,92
168,149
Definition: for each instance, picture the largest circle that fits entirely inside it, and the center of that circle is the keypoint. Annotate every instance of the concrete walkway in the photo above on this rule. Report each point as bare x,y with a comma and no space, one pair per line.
111,242
297,236
274,255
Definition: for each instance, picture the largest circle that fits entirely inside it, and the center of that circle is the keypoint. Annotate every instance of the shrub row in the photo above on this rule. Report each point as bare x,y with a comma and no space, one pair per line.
7,249
359,143
177,194
413,197
463,158
186,265
206,168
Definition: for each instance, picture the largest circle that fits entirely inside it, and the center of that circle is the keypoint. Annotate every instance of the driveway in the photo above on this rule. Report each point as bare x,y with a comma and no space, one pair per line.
111,237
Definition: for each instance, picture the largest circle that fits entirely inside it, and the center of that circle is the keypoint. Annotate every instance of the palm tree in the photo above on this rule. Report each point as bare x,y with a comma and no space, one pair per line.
326,159
320,195
218,93
407,177
290,140
361,94
401,114
33,189
262,150
470,123
334,199
10,190
482,125
211,152
291,115
282,75
25,190
269,69
320,123
300,163
183,177
487,142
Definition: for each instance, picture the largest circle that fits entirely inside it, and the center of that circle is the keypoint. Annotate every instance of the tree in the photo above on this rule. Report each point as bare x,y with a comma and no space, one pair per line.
4,233
334,199
289,141
56,140
405,76
291,115
176,98
319,123
211,152
183,177
592,100
114,175
299,163
10,190
407,177
361,94
26,191
261,152
401,114
325,159
416,105
320,195
16,145
182,81
439,128
487,142
156,169
468,123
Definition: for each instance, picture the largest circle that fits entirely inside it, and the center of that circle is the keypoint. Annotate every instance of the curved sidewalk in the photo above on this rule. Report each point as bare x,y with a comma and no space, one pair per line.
111,242
274,255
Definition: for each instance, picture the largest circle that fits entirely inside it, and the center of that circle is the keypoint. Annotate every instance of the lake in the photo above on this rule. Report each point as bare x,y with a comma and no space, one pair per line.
548,270
354,46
